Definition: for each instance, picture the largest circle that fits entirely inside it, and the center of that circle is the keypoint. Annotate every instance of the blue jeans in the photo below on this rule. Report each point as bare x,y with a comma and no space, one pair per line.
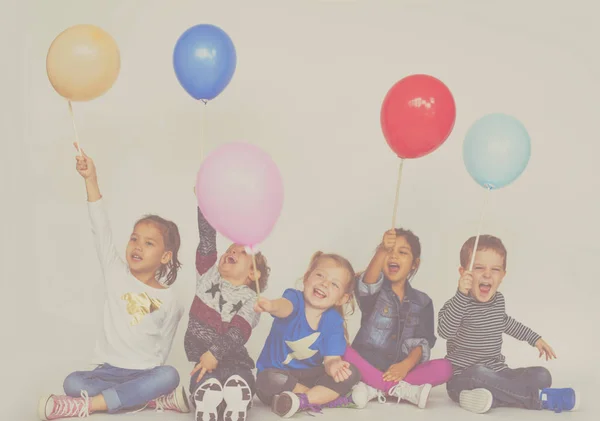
518,387
123,388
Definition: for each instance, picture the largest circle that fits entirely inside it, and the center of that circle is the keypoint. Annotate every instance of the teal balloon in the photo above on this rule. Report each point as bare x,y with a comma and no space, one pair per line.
496,150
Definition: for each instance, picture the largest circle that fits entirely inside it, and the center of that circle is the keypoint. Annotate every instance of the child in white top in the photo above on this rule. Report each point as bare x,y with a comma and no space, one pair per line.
141,314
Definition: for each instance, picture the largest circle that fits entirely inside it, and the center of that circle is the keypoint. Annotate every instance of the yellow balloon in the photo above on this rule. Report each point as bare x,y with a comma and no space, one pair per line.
83,62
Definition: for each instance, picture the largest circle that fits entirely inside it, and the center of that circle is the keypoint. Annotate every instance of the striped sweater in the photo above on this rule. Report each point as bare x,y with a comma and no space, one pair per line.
222,315
473,331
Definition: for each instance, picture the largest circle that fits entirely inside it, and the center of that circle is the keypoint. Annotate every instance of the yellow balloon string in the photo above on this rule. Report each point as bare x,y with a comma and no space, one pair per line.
75,129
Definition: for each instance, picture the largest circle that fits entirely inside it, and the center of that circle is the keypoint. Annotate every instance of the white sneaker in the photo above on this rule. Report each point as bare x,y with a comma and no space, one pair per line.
362,394
207,398
237,395
478,401
416,395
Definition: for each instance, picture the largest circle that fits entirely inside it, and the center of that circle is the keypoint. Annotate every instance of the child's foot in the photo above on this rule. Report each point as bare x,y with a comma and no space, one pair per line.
54,406
478,400
360,395
373,393
416,395
287,404
559,400
207,398
174,401
237,395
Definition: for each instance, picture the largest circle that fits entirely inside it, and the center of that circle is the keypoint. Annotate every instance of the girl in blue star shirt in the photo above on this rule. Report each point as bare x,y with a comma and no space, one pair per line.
300,367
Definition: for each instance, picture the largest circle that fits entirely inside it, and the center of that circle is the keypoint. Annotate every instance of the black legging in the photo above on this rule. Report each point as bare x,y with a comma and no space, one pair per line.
272,381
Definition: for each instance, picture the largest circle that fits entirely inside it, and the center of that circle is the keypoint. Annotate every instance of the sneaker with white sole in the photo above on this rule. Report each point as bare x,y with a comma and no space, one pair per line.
360,395
287,404
53,407
174,401
373,393
237,395
477,400
207,398
416,395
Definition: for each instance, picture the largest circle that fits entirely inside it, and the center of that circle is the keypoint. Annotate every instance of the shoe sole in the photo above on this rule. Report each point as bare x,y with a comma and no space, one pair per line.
478,401
360,395
577,401
424,396
207,398
182,400
237,396
42,407
293,406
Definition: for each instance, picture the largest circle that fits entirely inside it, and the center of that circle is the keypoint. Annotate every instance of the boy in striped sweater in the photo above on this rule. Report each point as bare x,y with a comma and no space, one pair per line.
221,320
473,322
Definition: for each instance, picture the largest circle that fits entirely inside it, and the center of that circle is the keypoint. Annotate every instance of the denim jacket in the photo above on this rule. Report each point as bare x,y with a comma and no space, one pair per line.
391,328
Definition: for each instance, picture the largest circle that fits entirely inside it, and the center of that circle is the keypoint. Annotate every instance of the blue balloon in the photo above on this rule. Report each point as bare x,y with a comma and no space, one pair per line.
204,60
496,150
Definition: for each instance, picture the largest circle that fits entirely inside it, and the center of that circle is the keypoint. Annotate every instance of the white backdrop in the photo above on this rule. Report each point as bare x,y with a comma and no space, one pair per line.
308,88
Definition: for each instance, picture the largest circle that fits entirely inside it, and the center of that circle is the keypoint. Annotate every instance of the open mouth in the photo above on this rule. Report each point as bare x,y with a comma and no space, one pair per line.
485,288
319,293
136,258
393,267
231,260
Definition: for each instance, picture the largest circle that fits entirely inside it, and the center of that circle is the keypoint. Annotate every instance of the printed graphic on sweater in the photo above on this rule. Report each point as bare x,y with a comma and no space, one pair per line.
293,344
222,315
138,305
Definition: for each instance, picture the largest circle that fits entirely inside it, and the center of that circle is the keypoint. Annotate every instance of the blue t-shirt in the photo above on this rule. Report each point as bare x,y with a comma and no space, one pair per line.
293,345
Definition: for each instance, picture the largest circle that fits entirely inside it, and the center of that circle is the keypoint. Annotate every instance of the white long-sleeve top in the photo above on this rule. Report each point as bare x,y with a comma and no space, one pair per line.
139,321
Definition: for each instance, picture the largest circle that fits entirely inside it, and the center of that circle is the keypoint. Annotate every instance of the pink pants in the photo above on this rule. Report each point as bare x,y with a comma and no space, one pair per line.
433,372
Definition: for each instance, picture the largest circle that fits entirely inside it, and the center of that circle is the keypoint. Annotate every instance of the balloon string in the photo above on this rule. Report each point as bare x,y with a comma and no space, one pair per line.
202,130
255,277
485,201
75,129
397,193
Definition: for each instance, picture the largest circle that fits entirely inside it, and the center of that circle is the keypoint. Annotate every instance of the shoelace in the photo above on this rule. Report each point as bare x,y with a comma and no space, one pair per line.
68,406
402,392
166,402
379,395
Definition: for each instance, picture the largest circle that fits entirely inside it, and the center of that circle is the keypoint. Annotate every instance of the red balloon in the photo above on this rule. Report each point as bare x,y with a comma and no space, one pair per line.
417,115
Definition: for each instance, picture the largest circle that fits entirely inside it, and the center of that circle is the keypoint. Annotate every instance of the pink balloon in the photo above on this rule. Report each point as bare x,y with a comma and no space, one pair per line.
240,192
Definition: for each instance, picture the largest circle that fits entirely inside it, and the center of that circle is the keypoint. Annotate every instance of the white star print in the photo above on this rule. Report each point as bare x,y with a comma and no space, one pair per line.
301,348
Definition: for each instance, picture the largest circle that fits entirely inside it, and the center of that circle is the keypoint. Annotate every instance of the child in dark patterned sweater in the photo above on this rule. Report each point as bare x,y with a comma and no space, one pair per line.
221,320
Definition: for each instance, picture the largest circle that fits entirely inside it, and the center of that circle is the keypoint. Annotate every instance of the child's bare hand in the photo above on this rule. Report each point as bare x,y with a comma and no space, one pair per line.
339,370
545,349
465,283
207,363
85,165
389,240
263,305
199,367
396,372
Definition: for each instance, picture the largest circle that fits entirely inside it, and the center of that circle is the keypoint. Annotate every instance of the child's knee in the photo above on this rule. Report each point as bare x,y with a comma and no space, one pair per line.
74,384
444,367
271,382
543,378
167,376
